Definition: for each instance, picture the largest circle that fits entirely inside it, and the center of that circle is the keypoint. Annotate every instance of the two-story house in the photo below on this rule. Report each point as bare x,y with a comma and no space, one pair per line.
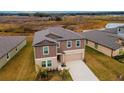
56,45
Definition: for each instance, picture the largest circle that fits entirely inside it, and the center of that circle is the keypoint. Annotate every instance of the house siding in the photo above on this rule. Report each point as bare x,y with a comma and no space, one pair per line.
63,45
39,52
116,52
45,43
12,53
103,49
38,63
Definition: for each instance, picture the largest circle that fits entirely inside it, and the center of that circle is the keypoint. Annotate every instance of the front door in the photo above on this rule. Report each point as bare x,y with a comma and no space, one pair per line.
59,58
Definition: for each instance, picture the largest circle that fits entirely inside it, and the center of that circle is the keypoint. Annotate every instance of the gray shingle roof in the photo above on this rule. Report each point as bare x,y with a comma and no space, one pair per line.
7,43
103,38
112,30
65,34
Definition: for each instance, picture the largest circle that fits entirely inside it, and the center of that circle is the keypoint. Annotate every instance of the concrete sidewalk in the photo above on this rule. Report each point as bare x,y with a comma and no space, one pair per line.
80,72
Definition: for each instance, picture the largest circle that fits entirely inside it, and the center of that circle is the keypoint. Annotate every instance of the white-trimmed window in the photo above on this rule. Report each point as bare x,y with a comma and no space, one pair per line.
43,63
7,56
45,50
69,44
78,43
46,63
49,63
16,49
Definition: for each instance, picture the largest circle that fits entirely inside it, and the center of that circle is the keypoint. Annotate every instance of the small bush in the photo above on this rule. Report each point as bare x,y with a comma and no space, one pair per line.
64,74
44,73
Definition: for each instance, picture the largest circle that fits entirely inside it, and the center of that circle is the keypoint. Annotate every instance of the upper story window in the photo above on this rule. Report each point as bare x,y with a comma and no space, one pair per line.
69,44
78,43
46,50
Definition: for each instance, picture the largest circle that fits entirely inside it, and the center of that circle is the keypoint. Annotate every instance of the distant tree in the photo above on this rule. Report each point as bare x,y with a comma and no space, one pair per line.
41,14
58,18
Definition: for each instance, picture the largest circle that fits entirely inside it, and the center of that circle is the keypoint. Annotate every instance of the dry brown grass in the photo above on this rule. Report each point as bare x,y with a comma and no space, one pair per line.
31,24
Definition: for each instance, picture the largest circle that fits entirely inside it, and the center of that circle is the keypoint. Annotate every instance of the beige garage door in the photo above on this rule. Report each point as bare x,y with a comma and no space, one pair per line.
73,57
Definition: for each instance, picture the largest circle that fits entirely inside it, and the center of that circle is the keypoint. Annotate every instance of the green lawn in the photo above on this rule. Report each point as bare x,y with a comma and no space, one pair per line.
21,67
103,66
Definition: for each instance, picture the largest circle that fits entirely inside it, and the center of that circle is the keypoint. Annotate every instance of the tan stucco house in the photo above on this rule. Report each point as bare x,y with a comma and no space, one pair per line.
109,41
9,47
55,46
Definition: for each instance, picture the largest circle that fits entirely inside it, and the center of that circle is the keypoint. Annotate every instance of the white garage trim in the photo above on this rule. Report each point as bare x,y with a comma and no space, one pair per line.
48,58
74,51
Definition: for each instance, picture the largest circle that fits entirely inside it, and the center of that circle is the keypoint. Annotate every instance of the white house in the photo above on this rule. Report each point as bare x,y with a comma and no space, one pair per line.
114,25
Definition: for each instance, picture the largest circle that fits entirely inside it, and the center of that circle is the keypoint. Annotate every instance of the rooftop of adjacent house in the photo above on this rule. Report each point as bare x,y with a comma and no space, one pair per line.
114,25
103,37
7,43
111,30
119,29
54,34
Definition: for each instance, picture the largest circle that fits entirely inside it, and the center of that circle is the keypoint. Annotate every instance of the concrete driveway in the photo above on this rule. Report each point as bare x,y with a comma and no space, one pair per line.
80,72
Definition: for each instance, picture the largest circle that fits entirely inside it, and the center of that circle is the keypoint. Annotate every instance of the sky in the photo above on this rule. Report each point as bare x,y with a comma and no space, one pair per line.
61,5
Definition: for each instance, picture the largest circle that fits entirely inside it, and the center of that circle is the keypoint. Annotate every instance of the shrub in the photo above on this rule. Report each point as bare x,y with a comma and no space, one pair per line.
44,73
64,74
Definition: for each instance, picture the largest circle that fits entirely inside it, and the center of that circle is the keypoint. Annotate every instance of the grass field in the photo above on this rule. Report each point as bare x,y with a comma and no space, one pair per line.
21,67
103,66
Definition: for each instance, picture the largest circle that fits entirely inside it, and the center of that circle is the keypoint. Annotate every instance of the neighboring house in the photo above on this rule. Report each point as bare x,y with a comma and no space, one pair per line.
109,42
9,47
113,25
55,46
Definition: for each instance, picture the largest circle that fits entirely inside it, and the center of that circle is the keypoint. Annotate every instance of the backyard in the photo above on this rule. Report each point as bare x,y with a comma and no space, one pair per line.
104,67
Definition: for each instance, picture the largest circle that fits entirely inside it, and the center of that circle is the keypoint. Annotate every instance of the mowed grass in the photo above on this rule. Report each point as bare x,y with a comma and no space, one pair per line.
105,68
21,67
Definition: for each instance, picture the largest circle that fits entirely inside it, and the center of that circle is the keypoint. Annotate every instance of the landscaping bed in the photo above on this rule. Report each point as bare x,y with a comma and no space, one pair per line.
54,75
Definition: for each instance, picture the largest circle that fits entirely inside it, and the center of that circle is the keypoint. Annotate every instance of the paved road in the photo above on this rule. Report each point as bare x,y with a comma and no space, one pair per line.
80,72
